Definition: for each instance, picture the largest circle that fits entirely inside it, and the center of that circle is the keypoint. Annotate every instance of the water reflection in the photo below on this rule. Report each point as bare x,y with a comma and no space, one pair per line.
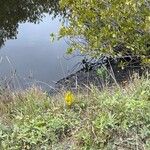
34,58
13,12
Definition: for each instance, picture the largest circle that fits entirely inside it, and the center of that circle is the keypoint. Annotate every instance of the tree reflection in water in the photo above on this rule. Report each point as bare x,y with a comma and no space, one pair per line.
13,12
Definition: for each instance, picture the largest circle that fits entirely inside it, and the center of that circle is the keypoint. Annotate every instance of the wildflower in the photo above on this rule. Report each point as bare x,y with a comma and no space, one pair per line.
69,98
146,60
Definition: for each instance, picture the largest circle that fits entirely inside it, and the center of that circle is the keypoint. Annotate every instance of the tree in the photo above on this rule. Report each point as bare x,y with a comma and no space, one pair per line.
98,27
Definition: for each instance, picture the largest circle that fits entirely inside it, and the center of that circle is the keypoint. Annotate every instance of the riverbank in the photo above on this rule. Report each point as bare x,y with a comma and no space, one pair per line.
106,71
116,117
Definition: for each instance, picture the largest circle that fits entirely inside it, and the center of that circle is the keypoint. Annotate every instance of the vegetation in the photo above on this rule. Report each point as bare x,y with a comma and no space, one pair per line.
114,118
98,27
111,118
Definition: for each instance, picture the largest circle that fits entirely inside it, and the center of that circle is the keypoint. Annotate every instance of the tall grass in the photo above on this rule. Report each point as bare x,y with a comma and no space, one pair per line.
113,118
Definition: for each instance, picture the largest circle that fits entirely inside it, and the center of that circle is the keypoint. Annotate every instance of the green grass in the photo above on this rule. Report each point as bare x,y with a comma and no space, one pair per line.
114,118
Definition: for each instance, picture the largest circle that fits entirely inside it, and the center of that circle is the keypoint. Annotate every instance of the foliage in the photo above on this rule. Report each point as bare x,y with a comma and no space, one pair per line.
103,73
98,27
115,118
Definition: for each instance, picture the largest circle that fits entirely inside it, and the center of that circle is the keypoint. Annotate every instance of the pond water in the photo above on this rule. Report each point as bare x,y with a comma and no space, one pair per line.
27,56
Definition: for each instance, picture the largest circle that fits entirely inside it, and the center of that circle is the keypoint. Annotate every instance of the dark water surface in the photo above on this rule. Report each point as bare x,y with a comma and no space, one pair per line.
31,57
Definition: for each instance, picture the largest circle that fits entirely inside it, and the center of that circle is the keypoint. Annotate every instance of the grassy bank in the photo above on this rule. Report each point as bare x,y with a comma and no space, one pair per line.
114,118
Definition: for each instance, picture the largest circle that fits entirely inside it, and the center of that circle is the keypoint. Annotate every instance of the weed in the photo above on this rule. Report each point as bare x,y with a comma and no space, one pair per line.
114,118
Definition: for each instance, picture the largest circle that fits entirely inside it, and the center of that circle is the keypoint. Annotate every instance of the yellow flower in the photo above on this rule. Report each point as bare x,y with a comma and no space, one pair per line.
146,60
69,98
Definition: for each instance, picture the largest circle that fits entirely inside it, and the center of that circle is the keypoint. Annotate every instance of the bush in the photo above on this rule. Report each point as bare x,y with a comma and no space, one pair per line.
102,27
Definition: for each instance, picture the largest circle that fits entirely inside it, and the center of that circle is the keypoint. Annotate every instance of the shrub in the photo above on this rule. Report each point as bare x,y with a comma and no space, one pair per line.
101,27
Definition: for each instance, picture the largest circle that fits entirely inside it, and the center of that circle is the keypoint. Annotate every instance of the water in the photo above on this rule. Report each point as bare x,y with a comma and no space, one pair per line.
32,58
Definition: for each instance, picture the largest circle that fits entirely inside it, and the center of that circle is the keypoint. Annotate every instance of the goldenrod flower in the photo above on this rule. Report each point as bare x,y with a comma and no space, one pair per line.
69,98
